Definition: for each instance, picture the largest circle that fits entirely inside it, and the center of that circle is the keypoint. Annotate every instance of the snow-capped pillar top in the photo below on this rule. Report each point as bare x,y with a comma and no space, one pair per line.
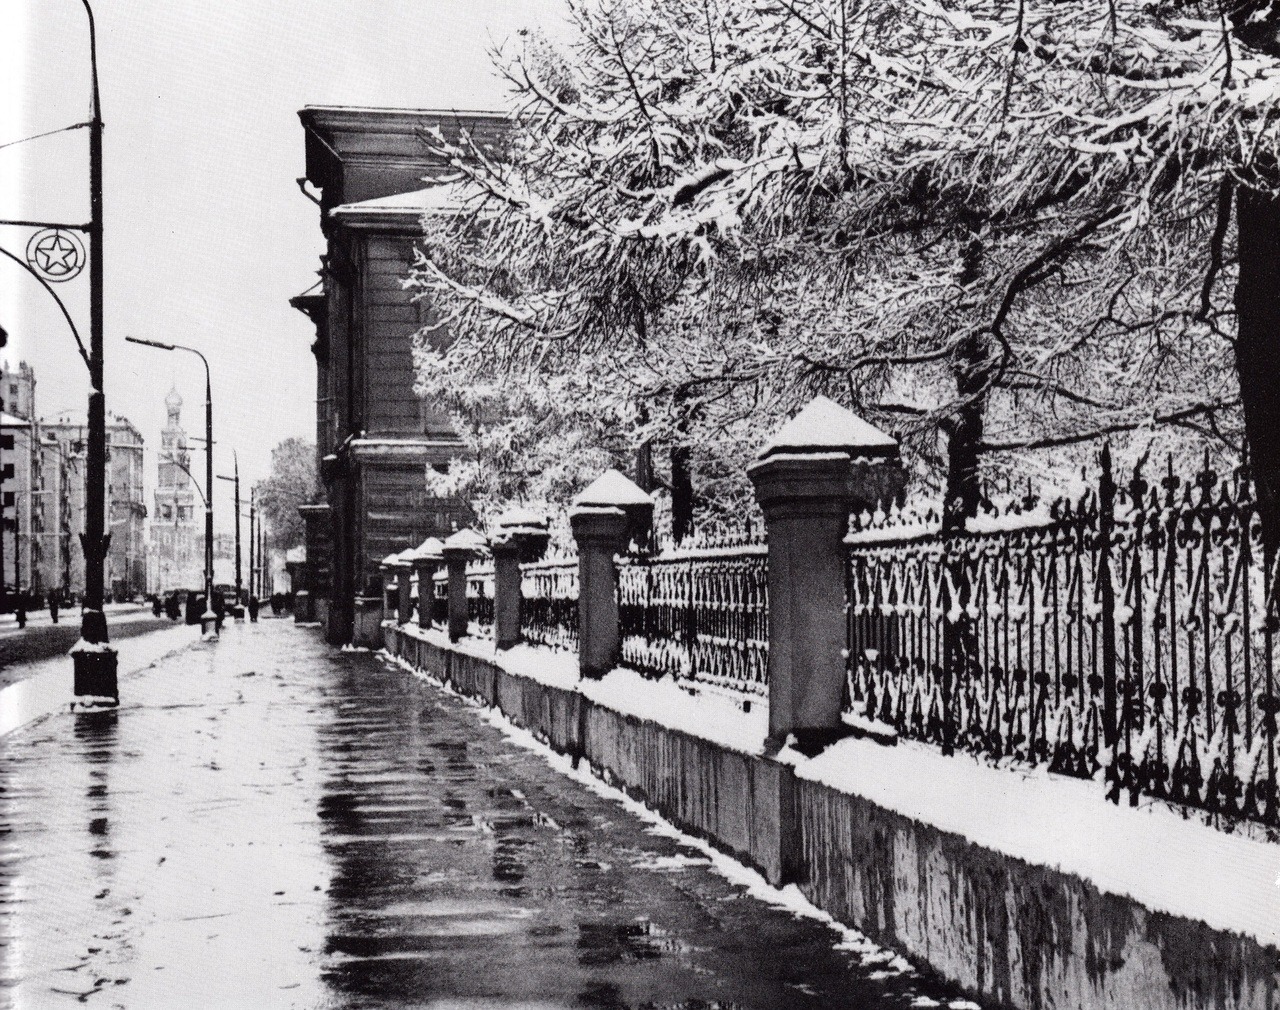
831,442
614,489
523,531
817,468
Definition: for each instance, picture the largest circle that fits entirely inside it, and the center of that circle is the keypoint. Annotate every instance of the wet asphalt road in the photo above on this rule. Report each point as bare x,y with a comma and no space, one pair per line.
268,823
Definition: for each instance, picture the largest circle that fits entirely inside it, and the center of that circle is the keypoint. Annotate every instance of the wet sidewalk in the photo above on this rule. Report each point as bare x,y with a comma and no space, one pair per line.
266,822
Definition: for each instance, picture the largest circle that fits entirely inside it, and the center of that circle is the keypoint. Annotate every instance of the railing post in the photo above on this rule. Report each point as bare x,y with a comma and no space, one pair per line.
1107,601
458,549
820,466
609,514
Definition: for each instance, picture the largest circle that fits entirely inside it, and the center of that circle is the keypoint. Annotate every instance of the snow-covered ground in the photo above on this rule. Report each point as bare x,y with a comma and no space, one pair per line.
1152,854
48,686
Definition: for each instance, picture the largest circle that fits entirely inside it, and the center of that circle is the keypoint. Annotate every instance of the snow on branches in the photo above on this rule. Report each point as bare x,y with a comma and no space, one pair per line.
992,225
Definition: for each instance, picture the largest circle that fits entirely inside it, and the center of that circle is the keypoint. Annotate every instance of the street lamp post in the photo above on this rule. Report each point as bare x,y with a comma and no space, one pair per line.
208,620
238,612
93,660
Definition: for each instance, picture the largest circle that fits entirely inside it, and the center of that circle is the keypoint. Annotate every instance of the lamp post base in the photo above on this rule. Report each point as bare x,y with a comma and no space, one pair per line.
95,665
209,626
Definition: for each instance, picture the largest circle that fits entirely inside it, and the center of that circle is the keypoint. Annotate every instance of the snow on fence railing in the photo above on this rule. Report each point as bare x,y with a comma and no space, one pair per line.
698,613
549,603
480,599
1137,621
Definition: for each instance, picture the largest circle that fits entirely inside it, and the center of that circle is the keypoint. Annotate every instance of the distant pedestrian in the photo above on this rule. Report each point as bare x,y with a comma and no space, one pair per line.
53,607
20,609
277,603
219,611
172,608
155,605
253,608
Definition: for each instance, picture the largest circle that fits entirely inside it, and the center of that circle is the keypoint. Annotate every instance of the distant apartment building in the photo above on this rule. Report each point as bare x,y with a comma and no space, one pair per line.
43,497
126,492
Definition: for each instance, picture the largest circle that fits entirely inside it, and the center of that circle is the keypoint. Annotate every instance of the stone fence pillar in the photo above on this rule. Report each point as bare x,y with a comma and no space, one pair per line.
521,536
460,548
608,515
389,566
601,533
427,556
820,466
404,586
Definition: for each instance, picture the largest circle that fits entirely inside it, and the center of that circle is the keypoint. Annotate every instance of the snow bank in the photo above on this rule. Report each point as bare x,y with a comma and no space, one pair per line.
1150,854
698,710
48,686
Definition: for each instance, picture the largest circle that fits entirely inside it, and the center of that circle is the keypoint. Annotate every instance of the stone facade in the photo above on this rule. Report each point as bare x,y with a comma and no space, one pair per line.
375,438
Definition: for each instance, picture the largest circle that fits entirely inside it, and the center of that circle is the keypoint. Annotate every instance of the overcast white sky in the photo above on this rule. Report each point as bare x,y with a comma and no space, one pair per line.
207,235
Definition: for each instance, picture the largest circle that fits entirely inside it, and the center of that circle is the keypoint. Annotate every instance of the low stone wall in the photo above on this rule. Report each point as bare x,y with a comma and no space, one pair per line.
1014,934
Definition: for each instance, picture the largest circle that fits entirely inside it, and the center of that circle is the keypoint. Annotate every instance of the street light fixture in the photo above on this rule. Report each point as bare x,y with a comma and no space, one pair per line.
208,620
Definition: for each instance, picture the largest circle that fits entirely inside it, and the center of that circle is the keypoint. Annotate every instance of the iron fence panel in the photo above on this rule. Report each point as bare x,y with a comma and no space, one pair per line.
699,615
1127,636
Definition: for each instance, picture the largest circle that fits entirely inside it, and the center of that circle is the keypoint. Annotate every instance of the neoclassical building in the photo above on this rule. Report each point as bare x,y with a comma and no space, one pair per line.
177,530
375,437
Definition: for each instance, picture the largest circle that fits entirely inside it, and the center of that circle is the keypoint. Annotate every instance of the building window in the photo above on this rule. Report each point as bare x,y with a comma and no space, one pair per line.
166,512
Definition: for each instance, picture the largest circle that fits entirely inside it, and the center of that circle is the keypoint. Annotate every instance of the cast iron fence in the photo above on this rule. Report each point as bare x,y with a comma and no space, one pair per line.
699,614
440,599
1128,635
480,601
549,603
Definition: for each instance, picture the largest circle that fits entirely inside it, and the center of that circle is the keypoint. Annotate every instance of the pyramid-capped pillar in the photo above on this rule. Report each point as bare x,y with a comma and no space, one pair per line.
459,548
426,558
808,476
520,535
611,512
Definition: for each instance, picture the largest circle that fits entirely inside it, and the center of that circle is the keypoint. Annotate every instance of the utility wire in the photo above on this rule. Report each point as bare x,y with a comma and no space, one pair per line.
47,133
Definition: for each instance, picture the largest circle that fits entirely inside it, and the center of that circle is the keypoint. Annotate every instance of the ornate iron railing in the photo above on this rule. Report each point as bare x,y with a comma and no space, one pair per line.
480,601
698,614
1129,635
440,599
549,603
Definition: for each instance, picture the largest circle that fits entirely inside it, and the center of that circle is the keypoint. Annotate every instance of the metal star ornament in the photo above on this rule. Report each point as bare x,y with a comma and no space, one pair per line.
56,255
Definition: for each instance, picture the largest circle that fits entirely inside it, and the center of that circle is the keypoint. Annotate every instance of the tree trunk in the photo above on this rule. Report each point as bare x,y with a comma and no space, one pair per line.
1257,363
963,493
964,438
681,492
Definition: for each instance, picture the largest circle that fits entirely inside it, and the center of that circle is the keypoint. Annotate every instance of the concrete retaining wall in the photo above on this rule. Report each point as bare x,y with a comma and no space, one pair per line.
1013,934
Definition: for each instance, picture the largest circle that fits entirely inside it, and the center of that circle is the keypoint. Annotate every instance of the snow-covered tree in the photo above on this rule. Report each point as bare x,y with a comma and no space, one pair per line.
994,226
292,482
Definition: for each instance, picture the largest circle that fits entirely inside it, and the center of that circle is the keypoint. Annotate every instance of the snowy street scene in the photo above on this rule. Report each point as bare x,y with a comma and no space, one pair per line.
640,504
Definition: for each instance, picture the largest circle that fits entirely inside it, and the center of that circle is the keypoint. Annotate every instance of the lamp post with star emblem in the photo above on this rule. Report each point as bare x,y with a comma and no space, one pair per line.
55,255
94,660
